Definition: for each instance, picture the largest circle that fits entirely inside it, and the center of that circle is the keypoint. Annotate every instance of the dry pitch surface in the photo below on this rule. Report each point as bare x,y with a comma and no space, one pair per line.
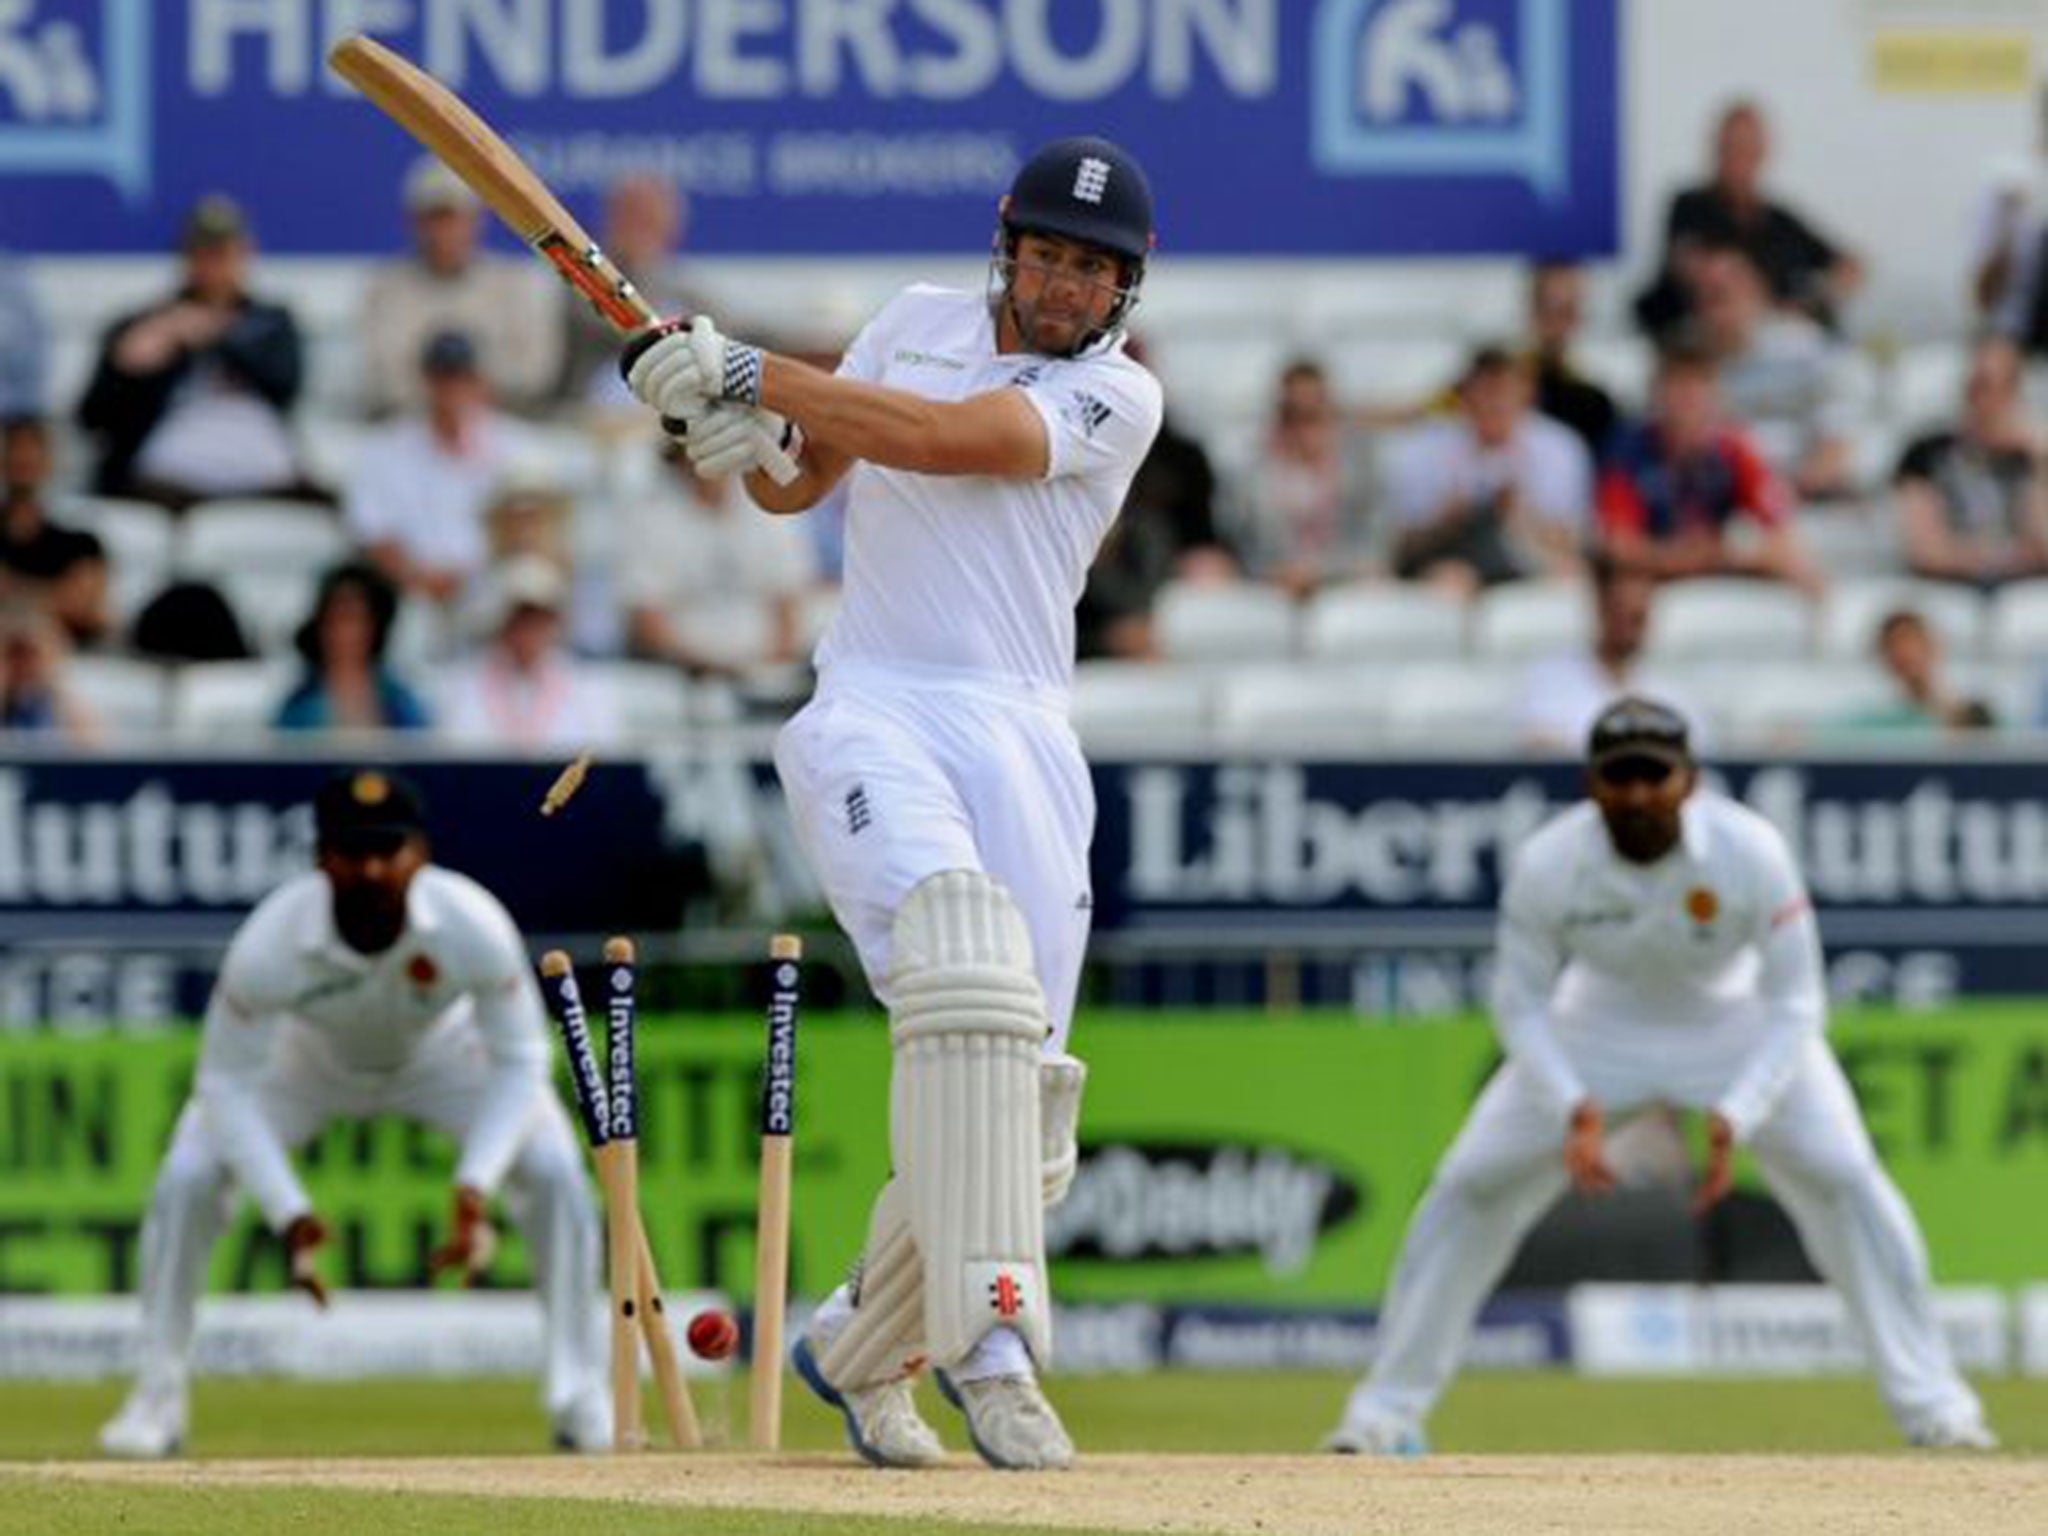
1271,1496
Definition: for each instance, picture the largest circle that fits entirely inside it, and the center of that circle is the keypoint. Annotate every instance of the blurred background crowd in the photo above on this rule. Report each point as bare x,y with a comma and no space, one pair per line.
435,510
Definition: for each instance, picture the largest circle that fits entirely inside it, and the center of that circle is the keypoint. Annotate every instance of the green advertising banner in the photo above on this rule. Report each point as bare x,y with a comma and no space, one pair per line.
1226,1158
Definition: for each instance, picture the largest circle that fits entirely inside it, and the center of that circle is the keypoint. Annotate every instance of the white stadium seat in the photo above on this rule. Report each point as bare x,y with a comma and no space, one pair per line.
653,697
254,535
1140,703
1301,709
1206,622
1452,705
1926,385
1792,704
219,702
1361,621
1524,620
1851,539
129,697
271,605
2018,629
141,543
1714,618
1853,610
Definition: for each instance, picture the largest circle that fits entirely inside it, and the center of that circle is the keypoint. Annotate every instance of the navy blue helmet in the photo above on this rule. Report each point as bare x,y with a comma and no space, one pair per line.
1086,189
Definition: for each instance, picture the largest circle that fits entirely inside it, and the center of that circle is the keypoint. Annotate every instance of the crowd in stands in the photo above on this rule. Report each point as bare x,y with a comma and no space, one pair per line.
438,579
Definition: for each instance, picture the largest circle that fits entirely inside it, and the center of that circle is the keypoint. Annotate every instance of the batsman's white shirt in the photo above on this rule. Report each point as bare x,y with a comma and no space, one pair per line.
1696,979
939,738
302,1028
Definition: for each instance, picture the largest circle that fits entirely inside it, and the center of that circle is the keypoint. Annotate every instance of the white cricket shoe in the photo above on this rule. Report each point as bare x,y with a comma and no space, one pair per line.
585,1426
1010,1422
1376,1433
1965,1432
882,1421
150,1425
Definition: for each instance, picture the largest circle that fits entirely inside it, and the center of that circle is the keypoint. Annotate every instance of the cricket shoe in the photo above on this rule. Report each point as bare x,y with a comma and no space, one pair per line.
585,1425
882,1422
150,1425
1963,1432
1010,1422
1376,1434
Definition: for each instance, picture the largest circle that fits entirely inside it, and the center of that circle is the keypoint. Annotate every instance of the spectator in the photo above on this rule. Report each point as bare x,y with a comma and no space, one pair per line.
524,690
714,582
416,503
64,570
190,396
1306,515
1557,296
1166,531
1562,695
346,685
1804,270
1973,501
446,285
644,224
1495,493
35,699
2009,258
24,344
1676,483
1908,651
1781,375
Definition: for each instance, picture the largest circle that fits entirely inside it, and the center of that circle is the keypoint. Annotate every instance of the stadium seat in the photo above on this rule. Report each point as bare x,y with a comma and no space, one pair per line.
331,443
1362,621
229,702
1452,706
1714,618
1620,362
258,536
1300,709
1925,385
1394,370
1853,610
1140,703
1205,622
129,697
1852,538
271,605
2018,626
1799,703
1523,620
141,541
653,697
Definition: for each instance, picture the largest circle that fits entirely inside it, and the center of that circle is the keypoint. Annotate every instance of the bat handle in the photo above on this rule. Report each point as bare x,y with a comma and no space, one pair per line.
775,462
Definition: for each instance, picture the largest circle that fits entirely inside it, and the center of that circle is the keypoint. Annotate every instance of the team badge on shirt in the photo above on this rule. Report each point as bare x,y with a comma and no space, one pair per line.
1702,905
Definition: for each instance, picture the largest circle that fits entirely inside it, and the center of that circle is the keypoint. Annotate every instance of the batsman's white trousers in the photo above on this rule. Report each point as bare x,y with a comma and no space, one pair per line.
896,774
304,1089
1506,1169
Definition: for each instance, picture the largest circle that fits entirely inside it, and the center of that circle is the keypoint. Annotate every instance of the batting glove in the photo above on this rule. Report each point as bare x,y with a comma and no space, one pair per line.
672,368
734,439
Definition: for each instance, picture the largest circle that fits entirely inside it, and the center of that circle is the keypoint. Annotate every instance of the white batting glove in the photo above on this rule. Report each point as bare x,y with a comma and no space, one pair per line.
686,366
733,439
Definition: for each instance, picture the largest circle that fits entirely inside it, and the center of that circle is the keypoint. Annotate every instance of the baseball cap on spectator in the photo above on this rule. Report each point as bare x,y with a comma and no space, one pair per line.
367,808
448,352
430,187
215,219
528,581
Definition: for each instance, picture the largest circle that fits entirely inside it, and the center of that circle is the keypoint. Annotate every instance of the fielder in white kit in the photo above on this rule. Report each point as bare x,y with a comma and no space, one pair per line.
934,779
1657,946
377,983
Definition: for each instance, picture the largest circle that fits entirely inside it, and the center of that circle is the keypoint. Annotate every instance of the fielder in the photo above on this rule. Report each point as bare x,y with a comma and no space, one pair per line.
987,440
377,983
1657,946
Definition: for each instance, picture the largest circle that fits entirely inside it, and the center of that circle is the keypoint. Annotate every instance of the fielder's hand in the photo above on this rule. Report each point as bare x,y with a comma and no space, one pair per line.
472,1240
1585,1150
1718,1177
302,1240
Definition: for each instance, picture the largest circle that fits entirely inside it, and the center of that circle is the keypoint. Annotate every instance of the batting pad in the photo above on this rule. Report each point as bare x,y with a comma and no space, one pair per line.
884,1339
1060,1081
968,1021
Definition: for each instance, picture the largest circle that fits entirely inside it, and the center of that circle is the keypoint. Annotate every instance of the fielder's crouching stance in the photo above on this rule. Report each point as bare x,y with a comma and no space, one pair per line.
986,441
376,984
1657,946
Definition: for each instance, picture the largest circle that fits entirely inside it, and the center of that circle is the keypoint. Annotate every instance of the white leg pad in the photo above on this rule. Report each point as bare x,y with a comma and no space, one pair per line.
968,1023
884,1339
1060,1081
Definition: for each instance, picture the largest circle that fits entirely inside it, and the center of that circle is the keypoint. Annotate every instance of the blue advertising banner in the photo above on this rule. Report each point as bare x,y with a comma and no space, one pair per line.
834,126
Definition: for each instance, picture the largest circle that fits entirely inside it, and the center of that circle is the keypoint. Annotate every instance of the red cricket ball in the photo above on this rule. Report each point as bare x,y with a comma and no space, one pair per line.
713,1335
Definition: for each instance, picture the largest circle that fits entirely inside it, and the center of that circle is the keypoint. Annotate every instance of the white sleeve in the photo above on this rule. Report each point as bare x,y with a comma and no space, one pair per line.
1100,417
509,1020
1791,990
241,1028
1529,957
1567,489
369,508
1415,489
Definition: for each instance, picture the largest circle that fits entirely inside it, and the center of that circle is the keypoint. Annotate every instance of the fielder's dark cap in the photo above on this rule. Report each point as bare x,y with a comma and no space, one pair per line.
367,805
1633,726
1085,189
448,352
214,220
